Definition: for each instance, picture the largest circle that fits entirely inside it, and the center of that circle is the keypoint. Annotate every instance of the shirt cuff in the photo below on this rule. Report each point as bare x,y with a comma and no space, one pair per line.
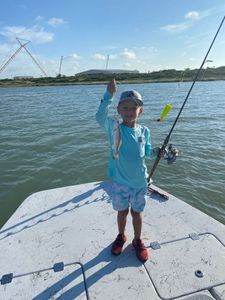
107,96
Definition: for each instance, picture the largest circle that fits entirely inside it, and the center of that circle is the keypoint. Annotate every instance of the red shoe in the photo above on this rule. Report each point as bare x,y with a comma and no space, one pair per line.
118,244
141,250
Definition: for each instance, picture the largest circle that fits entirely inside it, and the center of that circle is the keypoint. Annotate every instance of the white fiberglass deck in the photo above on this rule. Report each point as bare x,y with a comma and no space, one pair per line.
57,246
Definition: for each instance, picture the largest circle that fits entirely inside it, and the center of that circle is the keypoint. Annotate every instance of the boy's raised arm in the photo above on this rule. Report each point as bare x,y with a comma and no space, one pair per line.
102,113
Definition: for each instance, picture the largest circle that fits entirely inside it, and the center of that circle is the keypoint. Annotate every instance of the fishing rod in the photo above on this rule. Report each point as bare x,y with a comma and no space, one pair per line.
166,141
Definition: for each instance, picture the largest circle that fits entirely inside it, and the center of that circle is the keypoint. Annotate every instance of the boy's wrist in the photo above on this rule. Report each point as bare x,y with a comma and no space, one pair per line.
107,96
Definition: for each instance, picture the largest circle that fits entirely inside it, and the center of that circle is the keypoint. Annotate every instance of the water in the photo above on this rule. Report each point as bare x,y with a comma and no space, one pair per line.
49,138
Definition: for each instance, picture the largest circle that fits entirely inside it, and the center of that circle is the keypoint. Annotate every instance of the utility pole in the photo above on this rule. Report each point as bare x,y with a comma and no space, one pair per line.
60,65
22,46
107,62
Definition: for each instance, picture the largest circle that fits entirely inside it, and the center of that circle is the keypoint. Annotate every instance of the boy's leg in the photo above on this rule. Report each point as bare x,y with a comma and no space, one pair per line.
138,201
120,203
137,223
137,206
120,240
122,220
141,250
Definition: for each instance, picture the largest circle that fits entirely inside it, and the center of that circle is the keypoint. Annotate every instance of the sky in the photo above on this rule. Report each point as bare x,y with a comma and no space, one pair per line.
143,35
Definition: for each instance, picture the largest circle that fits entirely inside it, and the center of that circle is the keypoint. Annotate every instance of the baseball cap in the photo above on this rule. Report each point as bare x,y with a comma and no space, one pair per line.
132,96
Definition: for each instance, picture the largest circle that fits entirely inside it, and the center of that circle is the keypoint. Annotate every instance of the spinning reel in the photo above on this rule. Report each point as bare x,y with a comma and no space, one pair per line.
171,154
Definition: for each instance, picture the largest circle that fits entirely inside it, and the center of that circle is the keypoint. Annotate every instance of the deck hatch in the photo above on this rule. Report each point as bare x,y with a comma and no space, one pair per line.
173,267
61,280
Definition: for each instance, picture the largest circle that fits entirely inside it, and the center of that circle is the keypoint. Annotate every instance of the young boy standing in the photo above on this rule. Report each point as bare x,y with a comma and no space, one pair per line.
131,143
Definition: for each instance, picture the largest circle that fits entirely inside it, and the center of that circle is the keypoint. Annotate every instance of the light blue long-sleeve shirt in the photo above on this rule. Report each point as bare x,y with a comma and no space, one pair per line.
130,168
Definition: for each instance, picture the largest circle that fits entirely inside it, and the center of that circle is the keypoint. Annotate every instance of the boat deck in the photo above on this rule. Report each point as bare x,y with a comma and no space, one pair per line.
57,246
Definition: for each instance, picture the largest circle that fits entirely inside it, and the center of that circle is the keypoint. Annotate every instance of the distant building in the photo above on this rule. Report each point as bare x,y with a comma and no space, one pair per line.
22,77
109,71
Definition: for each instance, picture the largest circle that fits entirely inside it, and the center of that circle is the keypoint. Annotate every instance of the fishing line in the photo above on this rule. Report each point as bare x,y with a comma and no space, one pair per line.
169,106
188,94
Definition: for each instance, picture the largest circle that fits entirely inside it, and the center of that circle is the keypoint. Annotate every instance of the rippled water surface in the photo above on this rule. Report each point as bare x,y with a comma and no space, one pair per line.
49,138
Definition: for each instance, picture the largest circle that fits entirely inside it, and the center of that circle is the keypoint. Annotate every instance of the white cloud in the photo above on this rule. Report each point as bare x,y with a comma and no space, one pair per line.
190,18
113,56
128,54
98,56
75,56
127,65
125,54
175,27
5,48
193,59
33,34
192,15
55,22
150,49
39,18
75,68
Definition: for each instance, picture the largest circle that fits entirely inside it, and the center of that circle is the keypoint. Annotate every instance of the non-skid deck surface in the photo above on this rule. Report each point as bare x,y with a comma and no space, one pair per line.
57,246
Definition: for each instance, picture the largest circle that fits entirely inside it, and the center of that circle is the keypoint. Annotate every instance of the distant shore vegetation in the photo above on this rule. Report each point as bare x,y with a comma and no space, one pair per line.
170,75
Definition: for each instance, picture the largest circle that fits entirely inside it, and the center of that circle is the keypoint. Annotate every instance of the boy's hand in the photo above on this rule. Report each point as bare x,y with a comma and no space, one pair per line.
111,87
161,152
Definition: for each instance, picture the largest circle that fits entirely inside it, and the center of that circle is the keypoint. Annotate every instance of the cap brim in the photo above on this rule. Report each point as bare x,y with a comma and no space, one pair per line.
139,102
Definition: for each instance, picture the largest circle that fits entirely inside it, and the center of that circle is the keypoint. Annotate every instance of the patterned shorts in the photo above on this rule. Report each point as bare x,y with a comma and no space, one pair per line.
125,197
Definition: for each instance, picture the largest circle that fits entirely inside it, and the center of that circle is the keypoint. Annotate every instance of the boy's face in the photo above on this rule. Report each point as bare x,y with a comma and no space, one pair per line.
129,111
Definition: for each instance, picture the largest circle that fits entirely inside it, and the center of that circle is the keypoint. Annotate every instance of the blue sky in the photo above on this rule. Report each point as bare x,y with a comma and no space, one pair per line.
146,35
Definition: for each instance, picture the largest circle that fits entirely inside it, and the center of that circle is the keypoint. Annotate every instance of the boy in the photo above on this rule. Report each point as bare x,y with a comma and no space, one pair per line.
131,143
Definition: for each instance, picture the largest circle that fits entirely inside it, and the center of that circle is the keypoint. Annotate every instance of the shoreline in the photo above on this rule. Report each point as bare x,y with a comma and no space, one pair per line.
97,78
10,83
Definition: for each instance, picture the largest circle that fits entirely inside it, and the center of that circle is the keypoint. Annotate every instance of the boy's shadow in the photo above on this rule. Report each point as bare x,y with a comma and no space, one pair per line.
126,259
